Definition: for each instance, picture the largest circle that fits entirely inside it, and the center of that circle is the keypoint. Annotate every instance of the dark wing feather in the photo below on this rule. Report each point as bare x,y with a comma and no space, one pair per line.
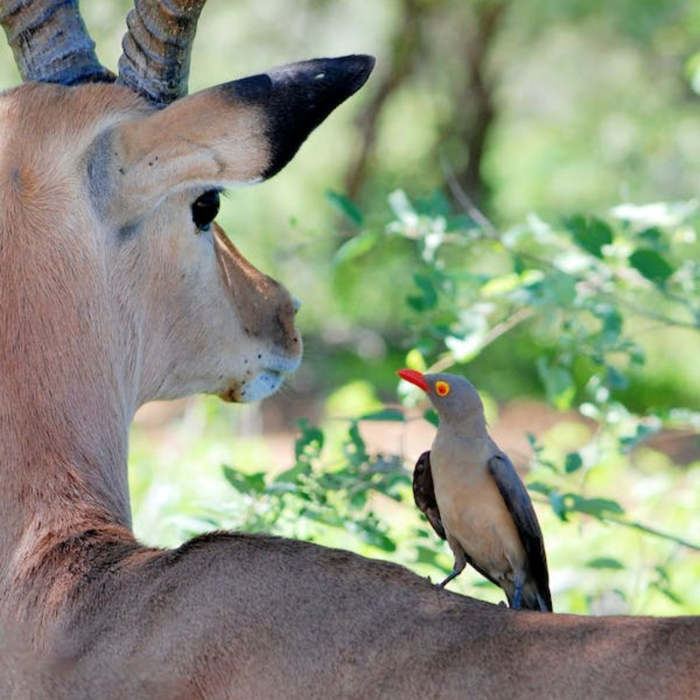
424,493
519,504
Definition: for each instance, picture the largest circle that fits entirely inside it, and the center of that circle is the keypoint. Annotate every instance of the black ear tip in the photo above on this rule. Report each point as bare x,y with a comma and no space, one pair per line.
356,67
299,96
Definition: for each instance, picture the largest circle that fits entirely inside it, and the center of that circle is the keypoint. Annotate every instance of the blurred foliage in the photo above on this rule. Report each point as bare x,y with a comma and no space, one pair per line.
581,286
547,107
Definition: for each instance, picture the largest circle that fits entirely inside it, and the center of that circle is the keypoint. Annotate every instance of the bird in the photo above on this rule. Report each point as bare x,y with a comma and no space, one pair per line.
472,496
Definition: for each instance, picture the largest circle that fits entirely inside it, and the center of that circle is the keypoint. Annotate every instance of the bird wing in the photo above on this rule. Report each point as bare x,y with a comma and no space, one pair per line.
424,496
520,506
424,493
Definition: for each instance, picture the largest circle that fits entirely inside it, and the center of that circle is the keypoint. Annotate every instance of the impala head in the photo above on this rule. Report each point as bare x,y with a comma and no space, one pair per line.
109,189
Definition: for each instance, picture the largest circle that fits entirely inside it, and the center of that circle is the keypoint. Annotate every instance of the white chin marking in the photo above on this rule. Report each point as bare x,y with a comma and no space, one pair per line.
264,384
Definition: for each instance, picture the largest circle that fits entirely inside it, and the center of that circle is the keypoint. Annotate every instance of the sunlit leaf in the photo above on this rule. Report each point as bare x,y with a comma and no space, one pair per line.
498,286
355,247
415,360
605,563
402,207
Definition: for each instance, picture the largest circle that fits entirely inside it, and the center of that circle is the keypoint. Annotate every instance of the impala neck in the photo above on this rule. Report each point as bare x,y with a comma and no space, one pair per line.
64,411
62,469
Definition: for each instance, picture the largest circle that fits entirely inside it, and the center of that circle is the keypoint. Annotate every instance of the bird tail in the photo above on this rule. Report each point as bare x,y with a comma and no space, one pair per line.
544,605
533,599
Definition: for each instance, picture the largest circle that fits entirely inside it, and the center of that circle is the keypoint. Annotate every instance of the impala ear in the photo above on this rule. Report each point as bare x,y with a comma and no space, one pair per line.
239,132
296,98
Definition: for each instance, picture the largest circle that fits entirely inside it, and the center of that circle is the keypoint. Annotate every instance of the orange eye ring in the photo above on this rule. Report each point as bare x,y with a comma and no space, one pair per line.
442,388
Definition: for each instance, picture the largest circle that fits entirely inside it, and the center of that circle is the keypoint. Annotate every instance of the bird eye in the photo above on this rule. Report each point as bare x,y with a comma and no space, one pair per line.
205,209
442,388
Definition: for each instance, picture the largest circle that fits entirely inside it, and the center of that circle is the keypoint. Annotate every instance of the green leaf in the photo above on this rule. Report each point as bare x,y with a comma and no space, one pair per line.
355,247
573,462
628,442
291,475
358,499
663,574
354,447
562,287
431,415
615,378
605,563
429,298
651,265
388,414
539,487
518,264
310,443
558,384
324,515
556,500
590,234
345,206
428,556
674,597
501,285
376,538
244,483
597,507
654,237
612,322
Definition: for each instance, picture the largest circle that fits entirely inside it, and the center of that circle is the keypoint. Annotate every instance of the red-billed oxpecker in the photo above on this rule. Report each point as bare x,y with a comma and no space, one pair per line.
473,497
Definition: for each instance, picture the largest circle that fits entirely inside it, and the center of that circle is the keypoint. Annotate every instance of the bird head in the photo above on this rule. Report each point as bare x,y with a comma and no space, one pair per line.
454,398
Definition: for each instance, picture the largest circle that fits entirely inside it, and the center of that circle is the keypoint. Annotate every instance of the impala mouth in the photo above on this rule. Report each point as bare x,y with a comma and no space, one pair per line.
264,383
282,365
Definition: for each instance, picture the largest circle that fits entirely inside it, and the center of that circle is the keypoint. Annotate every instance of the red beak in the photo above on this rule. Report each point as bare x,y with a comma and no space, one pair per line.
410,375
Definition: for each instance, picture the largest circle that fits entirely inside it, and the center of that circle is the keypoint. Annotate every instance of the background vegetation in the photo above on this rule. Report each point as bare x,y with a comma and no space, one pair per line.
512,196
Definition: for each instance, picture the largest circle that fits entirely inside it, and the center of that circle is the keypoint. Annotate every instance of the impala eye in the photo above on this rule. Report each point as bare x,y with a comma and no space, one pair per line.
205,209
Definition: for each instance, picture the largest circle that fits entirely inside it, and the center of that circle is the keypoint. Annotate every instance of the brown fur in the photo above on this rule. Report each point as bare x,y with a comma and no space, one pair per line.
103,308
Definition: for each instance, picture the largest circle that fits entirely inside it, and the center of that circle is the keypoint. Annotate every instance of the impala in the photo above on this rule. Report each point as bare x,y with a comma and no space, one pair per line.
116,288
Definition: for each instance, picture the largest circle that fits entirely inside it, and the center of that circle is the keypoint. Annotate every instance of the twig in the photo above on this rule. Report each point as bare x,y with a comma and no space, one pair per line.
447,360
463,199
635,526
651,531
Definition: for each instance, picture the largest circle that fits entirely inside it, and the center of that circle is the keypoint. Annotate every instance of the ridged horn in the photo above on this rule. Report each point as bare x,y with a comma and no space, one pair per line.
50,42
156,48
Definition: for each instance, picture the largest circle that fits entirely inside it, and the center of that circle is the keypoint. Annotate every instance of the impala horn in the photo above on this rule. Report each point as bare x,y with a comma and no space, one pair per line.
156,48
50,42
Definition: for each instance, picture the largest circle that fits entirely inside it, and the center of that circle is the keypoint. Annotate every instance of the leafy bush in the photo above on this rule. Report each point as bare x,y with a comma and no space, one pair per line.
581,287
